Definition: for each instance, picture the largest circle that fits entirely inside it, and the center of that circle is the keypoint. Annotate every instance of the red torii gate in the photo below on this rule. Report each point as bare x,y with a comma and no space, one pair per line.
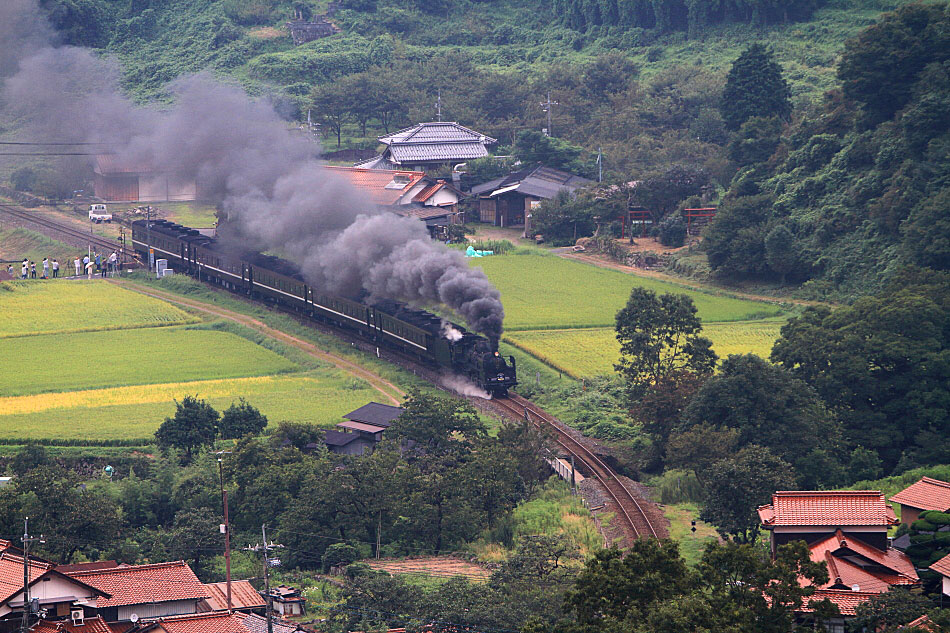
706,213
636,214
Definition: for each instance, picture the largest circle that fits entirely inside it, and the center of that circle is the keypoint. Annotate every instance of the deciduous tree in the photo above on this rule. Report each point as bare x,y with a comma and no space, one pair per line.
193,427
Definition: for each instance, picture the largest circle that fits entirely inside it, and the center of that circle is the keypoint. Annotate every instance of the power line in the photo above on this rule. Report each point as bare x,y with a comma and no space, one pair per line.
52,153
51,143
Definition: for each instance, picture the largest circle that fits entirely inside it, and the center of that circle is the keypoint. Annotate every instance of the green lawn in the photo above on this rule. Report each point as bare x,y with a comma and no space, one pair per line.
65,362
41,307
192,214
587,352
548,292
318,397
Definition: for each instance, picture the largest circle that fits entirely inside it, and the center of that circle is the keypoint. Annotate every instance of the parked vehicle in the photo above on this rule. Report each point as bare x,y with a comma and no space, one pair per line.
99,213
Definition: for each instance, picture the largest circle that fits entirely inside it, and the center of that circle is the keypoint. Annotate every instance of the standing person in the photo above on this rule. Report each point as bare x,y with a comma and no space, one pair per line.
90,265
98,263
46,268
114,263
76,263
55,268
24,268
32,270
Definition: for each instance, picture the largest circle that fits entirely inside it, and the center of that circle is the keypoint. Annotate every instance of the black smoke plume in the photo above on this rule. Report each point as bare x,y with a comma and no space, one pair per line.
264,175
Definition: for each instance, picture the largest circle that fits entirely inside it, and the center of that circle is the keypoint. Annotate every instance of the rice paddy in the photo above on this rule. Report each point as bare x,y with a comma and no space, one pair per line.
547,292
30,308
592,351
135,412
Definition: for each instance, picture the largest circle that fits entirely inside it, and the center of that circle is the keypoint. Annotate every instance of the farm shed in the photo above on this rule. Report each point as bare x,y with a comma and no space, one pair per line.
288,601
429,146
118,180
362,429
509,200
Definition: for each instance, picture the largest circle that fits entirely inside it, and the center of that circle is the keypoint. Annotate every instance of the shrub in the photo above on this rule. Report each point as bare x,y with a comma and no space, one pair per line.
340,554
672,231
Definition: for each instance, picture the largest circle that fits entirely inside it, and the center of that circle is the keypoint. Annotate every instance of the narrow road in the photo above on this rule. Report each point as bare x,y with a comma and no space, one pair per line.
378,383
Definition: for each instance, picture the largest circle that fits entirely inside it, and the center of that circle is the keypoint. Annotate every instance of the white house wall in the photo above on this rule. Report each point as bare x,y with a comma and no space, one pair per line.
56,589
442,197
158,609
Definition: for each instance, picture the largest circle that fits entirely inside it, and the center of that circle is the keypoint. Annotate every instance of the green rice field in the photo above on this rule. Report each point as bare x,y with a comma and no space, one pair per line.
591,351
32,307
92,360
548,292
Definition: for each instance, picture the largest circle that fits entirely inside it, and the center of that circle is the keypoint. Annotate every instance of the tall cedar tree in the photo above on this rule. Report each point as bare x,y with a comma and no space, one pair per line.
755,87
660,335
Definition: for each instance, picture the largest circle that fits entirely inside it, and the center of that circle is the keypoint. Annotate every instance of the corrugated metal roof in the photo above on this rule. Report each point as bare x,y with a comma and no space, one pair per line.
444,151
111,164
339,438
537,181
360,426
375,413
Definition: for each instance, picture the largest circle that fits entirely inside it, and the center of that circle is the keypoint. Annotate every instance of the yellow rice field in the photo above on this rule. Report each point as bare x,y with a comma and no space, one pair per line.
592,351
33,307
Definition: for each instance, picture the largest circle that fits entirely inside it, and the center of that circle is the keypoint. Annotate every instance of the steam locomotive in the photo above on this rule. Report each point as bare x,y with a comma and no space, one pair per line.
389,324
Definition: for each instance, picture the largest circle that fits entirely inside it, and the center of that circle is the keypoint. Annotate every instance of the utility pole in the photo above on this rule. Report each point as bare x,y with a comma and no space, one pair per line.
226,528
546,107
438,105
267,564
27,539
148,237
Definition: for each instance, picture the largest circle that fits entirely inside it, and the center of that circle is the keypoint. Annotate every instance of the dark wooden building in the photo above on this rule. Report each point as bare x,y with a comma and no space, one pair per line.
508,201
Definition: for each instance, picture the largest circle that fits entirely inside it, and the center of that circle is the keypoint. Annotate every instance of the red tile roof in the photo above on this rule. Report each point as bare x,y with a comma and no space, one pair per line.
11,573
89,625
243,596
428,192
942,566
852,562
374,182
214,622
99,564
926,494
923,622
846,601
827,507
139,584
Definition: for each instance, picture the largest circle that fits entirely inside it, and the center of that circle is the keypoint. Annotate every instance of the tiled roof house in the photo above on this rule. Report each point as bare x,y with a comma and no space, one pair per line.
925,494
509,200
430,145
146,591
84,625
942,567
213,622
53,590
846,530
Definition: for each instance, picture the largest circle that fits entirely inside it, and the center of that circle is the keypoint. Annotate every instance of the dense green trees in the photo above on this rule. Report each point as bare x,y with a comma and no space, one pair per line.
882,366
240,419
755,87
667,15
193,427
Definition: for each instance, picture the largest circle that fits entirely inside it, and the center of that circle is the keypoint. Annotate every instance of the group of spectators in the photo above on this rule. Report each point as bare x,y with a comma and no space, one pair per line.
96,264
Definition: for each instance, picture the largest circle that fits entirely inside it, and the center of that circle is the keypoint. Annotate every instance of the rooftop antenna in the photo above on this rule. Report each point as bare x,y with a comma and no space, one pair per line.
438,105
546,107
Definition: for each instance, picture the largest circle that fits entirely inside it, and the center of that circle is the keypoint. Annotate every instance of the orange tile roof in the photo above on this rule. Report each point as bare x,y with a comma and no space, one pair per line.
428,192
139,584
923,622
846,601
373,182
827,507
213,622
844,557
942,566
11,573
89,625
243,595
926,494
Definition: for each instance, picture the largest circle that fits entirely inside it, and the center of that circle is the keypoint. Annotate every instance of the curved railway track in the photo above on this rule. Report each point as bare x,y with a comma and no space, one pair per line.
629,508
65,232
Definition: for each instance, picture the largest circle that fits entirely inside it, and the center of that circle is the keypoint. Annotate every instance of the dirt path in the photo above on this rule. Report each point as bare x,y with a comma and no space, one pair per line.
603,262
380,384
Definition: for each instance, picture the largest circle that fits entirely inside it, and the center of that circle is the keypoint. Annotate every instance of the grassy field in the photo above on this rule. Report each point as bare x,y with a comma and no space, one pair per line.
192,214
91,360
587,352
34,307
691,543
548,292
318,397
15,244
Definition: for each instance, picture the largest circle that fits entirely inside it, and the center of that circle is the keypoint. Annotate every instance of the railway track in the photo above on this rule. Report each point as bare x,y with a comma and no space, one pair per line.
67,233
629,509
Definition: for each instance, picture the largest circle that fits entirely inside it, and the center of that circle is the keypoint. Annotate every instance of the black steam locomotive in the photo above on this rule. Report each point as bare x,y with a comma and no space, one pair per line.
389,324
